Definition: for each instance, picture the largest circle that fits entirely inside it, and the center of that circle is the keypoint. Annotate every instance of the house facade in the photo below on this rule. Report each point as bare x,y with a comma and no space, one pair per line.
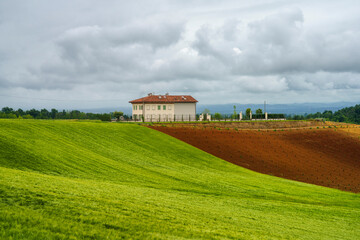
164,108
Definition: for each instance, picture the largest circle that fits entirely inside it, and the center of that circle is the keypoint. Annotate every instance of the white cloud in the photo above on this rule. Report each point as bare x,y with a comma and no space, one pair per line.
272,49
237,51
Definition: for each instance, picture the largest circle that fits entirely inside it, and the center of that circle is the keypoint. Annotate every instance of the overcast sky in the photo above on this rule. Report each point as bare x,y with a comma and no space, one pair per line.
89,54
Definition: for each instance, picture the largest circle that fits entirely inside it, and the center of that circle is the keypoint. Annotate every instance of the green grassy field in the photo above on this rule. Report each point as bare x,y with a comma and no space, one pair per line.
92,180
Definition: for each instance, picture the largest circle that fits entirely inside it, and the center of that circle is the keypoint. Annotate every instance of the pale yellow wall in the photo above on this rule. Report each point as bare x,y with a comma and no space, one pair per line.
151,111
185,111
185,108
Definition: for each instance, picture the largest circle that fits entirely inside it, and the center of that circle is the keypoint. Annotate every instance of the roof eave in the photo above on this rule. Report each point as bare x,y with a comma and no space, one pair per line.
162,102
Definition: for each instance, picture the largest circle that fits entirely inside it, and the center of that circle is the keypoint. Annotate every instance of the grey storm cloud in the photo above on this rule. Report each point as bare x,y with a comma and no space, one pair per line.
155,35
90,53
205,48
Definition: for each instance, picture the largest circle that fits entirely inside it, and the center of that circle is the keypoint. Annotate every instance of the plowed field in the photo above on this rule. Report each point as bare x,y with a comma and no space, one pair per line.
323,156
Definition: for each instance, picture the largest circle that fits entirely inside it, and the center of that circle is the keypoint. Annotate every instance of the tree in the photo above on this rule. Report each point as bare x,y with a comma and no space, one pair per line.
248,110
33,112
259,111
206,111
7,115
234,116
11,115
327,114
44,113
217,116
7,110
105,117
118,115
20,112
53,113
75,114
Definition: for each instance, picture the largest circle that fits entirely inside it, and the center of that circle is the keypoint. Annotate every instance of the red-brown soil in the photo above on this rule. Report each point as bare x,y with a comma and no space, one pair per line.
328,157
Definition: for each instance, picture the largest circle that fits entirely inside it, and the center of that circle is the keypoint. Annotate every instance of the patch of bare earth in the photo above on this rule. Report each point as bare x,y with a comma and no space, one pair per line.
319,155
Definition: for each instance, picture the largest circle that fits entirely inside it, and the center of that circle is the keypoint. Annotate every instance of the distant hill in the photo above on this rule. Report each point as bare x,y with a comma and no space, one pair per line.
349,114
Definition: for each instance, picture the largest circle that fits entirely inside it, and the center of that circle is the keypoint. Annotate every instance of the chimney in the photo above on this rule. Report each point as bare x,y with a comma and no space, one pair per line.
150,94
167,94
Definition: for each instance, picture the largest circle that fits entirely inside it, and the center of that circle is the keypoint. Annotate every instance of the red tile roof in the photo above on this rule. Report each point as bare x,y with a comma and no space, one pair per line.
165,99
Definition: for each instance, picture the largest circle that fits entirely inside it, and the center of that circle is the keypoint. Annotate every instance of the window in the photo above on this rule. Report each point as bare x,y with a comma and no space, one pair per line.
169,107
159,107
141,107
134,107
153,107
164,107
147,116
147,107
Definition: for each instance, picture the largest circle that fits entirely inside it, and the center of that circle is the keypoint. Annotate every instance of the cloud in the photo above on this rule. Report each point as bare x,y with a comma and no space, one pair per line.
88,54
280,29
156,34
279,44
323,81
219,52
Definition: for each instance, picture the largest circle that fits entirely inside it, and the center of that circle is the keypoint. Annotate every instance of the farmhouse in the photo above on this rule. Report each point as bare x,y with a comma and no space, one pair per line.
164,108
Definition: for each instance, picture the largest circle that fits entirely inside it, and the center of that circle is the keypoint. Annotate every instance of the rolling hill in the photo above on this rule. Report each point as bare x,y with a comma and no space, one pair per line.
93,180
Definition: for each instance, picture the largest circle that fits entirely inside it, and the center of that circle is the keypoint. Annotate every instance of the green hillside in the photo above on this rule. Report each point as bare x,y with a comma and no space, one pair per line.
93,180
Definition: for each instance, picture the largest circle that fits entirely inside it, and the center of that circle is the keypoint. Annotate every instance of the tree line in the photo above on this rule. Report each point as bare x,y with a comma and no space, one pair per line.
7,112
348,114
